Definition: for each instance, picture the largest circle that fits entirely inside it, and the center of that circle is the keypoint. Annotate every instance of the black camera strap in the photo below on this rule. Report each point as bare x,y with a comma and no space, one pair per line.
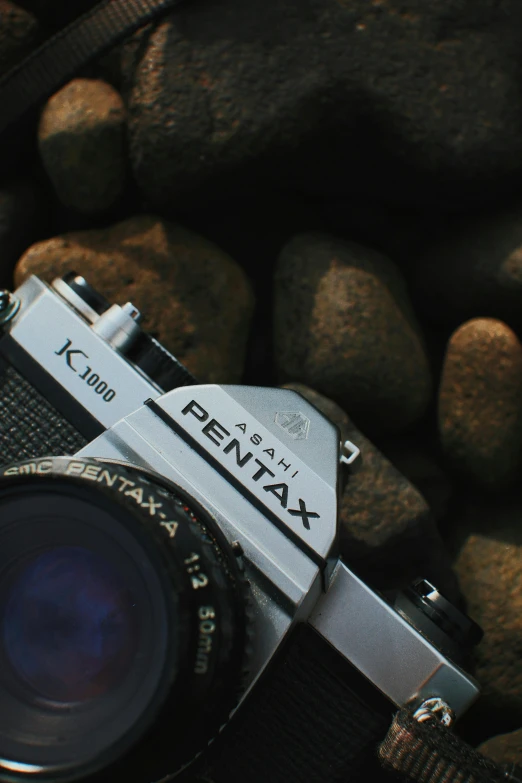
427,753
430,753
59,58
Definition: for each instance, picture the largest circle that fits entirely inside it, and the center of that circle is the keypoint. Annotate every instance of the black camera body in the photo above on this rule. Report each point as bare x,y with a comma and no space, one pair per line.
171,593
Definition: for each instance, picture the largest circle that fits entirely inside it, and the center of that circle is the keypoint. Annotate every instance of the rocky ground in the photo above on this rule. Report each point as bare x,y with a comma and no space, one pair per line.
328,195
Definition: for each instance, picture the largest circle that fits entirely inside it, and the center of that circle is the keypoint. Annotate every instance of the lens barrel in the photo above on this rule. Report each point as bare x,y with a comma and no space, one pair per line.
122,622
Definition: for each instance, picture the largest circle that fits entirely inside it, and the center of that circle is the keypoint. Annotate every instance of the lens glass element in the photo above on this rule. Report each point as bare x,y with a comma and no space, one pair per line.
88,627
69,631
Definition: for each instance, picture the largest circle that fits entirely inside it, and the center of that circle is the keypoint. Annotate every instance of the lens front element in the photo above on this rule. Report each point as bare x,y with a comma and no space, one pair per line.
68,627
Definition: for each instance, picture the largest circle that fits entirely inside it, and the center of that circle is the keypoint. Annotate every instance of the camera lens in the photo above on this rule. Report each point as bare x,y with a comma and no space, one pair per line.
122,622
68,630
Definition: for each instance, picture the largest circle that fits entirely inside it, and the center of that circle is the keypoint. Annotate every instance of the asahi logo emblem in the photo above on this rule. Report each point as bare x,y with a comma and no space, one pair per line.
293,423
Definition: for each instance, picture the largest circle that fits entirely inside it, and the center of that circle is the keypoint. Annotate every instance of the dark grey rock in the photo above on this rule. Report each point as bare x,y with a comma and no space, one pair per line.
81,138
415,103
195,299
343,325
480,403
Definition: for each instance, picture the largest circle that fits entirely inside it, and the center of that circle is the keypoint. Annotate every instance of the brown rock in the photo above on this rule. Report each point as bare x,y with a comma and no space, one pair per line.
196,300
81,138
480,403
489,568
386,529
504,748
344,325
416,461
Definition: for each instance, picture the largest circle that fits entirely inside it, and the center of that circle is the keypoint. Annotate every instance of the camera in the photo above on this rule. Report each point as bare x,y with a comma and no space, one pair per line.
171,592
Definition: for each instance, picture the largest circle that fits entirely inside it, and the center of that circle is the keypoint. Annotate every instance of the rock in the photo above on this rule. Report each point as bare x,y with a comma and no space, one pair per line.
417,462
343,325
474,268
196,300
21,211
489,568
19,32
504,748
480,403
421,104
81,138
386,529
